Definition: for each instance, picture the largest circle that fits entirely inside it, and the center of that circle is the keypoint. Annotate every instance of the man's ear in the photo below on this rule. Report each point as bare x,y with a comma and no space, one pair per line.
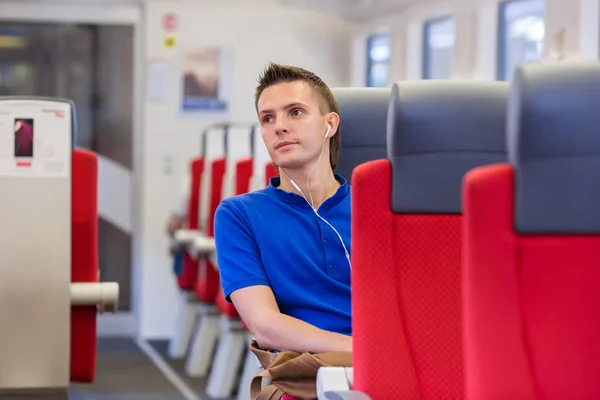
334,121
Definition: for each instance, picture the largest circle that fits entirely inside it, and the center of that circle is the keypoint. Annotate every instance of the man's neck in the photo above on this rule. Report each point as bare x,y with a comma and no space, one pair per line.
322,184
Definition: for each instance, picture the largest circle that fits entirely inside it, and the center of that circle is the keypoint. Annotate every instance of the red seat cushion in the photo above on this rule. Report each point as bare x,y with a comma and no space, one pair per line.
208,283
84,261
406,316
243,175
270,172
224,307
530,300
189,274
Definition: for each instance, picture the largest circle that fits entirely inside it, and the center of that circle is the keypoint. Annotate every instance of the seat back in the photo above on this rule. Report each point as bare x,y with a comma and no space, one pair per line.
244,175
238,146
260,156
245,165
214,152
532,240
207,285
189,274
270,172
196,203
363,119
84,261
406,237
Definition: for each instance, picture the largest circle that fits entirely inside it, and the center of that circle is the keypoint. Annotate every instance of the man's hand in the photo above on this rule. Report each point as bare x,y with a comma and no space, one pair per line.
174,223
275,331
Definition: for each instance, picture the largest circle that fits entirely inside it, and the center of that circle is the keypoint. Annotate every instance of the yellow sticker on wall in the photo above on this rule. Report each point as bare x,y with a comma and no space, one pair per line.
169,42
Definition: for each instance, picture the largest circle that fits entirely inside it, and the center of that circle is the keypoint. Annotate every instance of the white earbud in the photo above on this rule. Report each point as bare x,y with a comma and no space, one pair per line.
328,130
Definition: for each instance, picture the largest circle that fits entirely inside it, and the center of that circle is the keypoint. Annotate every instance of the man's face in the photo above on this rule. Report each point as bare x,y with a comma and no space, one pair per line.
292,126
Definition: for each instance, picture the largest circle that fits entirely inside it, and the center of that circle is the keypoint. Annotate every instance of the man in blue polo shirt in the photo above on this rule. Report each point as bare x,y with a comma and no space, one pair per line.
283,251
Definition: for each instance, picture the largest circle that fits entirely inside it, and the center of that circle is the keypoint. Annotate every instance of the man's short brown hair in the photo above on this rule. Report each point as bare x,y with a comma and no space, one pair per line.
277,73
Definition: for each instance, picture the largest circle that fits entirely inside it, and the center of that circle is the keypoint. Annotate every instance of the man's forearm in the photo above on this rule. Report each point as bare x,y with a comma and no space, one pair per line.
282,332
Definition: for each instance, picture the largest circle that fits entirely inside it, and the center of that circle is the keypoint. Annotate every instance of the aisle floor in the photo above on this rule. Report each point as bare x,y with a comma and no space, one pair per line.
126,372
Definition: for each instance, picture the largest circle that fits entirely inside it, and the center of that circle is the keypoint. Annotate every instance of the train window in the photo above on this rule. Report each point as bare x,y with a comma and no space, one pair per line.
378,60
521,35
438,48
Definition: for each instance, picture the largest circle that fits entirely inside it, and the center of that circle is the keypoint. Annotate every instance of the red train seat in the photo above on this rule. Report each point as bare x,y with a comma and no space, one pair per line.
243,175
84,261
270,172
215,184
189,274
230,349
242,185
226,308
406,237
532,245
208,283
187,278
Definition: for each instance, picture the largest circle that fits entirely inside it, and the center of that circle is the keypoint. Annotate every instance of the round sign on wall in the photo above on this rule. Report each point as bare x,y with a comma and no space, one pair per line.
169,42
170,22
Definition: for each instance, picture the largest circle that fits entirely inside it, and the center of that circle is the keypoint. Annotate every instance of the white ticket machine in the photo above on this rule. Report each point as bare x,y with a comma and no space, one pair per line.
49,289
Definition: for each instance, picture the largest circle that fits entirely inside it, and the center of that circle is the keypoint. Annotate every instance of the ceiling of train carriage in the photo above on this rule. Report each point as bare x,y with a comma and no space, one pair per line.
352,9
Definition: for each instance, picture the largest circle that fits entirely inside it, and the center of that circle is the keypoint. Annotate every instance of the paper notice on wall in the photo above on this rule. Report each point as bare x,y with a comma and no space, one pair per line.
158,80
35,138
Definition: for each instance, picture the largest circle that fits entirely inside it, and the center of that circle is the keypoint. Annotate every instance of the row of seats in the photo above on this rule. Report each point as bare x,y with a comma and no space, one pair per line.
476,243
408,318
364,139
205,320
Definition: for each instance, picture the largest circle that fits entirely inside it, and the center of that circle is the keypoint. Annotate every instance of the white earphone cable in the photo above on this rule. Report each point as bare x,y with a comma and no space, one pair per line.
311,202
313,168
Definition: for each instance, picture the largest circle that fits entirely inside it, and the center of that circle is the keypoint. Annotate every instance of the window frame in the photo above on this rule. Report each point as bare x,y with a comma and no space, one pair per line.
426,57
501,48
370,39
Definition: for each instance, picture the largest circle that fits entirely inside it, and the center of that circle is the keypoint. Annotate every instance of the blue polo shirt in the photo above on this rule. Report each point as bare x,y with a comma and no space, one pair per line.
272,237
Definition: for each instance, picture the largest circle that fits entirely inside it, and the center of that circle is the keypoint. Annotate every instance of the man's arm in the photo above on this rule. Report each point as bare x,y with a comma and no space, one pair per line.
245,281
276,331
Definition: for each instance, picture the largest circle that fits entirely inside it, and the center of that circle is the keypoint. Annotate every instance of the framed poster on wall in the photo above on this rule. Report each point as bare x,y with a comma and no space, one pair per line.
207,79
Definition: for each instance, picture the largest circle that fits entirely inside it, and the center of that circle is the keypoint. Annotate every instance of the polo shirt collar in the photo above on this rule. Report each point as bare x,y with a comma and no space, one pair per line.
292,197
